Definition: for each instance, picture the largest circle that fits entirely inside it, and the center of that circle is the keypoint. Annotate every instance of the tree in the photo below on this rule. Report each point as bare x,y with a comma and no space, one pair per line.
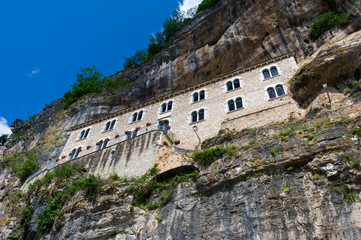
3,139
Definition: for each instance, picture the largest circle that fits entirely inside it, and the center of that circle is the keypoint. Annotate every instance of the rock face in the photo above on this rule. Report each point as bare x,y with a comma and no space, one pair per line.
301,189
20,126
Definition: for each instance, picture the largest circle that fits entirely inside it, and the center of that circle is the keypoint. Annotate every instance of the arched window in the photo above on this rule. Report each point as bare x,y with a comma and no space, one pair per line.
107,126
231,105
112,125
201,114
112,154
202,95
194,116
129,135
271,92
76,154
170,104
82,134
274,71
266,74
135,115
195,97
229,86
236,84
135,133
100,143
72,154
105,143
163,108
86,133
279,90
239,103
140,115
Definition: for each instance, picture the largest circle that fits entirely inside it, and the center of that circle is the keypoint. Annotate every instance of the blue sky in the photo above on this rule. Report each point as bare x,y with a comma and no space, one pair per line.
44,43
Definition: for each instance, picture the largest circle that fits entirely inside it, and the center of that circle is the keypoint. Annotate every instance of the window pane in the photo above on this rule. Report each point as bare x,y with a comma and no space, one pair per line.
231,105
229,86
201,115
271,93
87,132
134,117
107,126
239,103
170,104
202,95
194,116
195,97
81,134
129,135
236,83
274,71
135,132
100,145
140,115
280,90
266,74
105,143
112,125
164,107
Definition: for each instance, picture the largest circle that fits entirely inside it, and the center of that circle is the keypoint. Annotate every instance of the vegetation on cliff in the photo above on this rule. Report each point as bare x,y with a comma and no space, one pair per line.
90,81
325,22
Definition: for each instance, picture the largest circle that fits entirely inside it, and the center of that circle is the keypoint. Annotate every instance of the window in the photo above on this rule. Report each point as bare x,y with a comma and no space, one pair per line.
135,133
198,96
84,134
280,91
140,115
166,107
266,74
137,116
107,126
274,71
197,116
195,97
100,144
163,125
72,154
202,95
112,154
233,105
129,135
239,103
112,125
233,85
271,92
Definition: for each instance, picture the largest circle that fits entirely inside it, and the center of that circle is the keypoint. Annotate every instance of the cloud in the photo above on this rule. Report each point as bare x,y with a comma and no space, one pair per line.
4,128
33,72
188,4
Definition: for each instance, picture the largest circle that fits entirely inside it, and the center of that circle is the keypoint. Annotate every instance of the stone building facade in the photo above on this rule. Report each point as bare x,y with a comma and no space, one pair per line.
245,98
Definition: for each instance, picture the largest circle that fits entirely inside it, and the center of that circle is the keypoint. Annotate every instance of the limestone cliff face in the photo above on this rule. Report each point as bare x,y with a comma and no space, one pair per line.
254,195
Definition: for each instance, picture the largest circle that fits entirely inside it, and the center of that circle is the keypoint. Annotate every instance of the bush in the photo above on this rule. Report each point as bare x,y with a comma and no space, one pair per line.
325,22
288,131
22,166
3,139
209,155
206,4
92,185
27,214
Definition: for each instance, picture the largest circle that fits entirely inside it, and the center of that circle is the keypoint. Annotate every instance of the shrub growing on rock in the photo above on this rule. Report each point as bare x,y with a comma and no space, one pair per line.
325,22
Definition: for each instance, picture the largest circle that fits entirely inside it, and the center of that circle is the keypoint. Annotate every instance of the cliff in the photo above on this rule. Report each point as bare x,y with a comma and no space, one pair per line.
297,179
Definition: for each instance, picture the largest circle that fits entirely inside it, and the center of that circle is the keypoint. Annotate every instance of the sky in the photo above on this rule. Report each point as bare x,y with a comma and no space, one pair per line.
44,43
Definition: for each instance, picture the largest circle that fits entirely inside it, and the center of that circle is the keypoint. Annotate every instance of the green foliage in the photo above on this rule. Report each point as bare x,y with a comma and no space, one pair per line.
22,166
288,131
316,176
273,151
206,4
289,169
3,139
27,214
346,91
89,81
47,218
92,185
325,22
209,155
144,188
139,57
32,118
286,189
309,48
349,197
356,131
256,175
353,162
